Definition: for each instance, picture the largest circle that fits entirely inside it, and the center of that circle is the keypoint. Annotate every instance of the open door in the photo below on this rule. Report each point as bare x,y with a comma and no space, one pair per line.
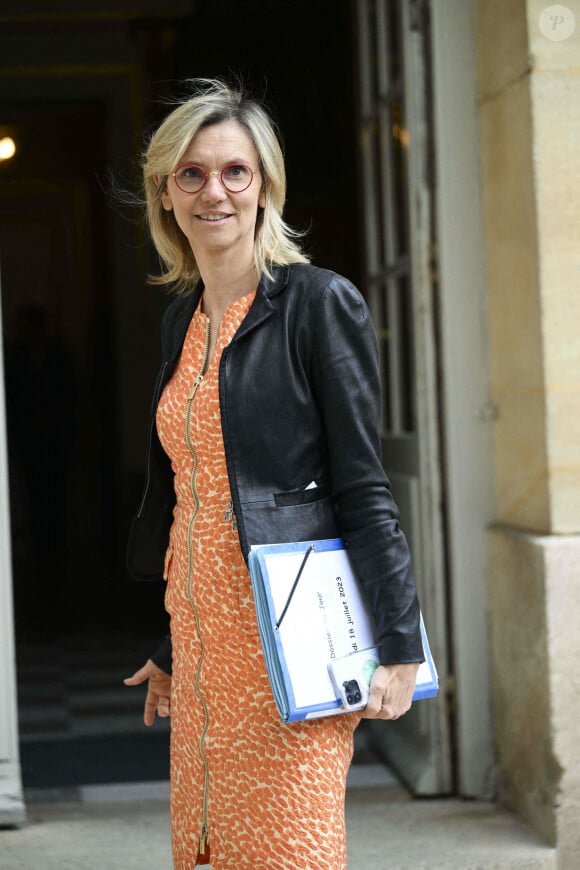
400,285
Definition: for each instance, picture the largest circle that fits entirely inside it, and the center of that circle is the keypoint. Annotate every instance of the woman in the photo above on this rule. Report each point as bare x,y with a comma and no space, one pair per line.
264,430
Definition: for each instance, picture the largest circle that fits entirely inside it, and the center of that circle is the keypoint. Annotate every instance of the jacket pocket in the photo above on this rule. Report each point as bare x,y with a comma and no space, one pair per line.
306,521
301,496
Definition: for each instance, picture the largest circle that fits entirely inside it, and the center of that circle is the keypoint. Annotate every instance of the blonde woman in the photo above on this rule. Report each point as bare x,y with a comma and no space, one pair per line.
264,430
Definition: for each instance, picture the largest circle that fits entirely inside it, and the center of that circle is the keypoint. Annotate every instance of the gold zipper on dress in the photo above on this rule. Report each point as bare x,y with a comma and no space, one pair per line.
204,834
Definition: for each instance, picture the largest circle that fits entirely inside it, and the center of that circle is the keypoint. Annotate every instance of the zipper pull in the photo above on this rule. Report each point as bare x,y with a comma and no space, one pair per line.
203,840
230,516
194,387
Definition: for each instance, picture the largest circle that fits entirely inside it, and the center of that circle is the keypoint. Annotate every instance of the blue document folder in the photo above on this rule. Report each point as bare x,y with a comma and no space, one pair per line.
315,627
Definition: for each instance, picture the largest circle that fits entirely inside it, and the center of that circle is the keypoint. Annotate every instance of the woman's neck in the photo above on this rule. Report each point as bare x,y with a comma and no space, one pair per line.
224,282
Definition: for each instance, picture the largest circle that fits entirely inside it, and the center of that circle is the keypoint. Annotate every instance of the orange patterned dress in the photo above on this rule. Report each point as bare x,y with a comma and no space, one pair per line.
254,791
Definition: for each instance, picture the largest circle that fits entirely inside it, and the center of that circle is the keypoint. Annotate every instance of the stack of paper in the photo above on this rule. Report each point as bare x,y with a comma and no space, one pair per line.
309,625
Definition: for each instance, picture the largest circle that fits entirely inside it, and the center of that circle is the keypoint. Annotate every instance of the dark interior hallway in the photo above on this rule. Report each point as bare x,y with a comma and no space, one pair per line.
79,89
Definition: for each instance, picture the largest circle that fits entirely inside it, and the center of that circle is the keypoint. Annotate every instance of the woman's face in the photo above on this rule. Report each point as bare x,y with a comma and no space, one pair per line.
214,220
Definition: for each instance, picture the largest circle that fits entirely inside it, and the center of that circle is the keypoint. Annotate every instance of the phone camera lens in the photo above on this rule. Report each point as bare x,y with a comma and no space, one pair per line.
352,692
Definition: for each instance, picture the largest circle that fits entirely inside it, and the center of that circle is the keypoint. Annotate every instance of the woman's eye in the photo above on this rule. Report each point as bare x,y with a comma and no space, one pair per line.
194,173
236,172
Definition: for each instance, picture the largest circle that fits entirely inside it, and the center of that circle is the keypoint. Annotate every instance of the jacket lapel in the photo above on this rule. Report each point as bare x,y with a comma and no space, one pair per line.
262,308
263,305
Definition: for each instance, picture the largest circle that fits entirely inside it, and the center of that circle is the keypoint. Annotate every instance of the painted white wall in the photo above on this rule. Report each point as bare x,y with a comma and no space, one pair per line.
466,404
11,800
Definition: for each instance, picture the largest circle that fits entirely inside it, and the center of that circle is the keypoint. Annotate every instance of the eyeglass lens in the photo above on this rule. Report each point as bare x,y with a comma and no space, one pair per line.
236,177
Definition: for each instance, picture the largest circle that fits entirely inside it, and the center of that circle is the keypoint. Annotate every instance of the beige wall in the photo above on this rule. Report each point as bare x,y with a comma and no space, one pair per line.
512,265
529,92
555,97
529,109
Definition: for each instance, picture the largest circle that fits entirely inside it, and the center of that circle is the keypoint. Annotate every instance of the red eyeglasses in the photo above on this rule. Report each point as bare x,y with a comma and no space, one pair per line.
235,177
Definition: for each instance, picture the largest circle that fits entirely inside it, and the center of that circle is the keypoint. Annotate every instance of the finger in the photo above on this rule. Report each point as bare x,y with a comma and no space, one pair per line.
388,712
368,714
373,707
150,709
393,710
163,707
148,670
375,701
138,677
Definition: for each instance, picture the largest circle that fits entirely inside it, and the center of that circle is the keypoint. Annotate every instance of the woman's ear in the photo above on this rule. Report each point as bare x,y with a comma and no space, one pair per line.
262,197
165,197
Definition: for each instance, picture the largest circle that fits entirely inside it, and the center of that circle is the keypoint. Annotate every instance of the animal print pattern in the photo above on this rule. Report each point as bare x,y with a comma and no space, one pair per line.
276,790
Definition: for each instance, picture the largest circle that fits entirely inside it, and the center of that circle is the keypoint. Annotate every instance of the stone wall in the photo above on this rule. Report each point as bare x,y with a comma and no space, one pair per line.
529,105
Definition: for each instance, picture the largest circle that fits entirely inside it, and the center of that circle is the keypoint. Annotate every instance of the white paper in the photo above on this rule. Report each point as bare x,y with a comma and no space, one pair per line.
326,619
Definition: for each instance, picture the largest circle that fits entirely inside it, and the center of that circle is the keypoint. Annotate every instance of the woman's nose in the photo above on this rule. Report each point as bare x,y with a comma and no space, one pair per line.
213,188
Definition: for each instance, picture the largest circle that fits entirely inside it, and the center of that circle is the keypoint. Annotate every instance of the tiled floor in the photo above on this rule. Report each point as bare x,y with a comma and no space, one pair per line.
80,725
74,688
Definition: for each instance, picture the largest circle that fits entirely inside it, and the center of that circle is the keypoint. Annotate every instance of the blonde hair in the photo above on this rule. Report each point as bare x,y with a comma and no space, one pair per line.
213,101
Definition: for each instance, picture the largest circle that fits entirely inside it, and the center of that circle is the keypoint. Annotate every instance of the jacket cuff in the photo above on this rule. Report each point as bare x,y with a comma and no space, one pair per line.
401,650
162,656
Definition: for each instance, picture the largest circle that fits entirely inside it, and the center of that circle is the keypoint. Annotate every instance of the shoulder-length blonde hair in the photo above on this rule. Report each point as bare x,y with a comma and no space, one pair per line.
213,101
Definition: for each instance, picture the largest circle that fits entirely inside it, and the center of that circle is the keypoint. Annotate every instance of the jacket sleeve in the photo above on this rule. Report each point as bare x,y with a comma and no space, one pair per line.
346,383
162,656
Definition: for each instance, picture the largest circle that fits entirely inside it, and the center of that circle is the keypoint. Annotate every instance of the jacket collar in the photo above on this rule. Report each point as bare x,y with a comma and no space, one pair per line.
277,283
263,306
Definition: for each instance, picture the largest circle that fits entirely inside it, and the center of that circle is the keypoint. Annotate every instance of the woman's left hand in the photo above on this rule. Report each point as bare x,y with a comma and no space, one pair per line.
391,691
158,700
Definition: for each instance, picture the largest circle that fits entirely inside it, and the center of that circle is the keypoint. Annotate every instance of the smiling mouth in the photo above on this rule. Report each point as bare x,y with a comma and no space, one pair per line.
213,218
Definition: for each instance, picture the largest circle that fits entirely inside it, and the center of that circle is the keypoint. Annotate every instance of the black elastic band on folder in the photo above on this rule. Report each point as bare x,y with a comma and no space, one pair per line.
294,585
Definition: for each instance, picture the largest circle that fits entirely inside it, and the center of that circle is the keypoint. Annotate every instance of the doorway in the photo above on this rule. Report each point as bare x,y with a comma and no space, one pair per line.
78,622
75,281
397,201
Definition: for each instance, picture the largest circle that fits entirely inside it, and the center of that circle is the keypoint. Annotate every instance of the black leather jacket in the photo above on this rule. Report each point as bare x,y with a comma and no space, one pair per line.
300,403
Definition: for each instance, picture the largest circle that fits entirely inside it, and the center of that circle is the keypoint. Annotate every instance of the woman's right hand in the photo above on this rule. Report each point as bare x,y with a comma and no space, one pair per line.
158,699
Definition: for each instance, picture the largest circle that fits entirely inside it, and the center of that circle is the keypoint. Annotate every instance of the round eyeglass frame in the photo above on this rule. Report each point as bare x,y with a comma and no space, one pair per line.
219,173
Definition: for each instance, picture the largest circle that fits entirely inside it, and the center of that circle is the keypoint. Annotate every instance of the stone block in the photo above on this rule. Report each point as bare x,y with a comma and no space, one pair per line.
502,44
534,609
